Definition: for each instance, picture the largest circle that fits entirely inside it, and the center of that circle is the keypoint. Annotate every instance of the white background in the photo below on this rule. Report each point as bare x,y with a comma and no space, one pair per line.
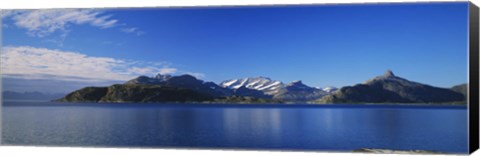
78,151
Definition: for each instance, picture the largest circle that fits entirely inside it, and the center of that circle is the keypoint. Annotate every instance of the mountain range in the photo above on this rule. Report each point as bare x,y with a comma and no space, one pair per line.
293,91
386,88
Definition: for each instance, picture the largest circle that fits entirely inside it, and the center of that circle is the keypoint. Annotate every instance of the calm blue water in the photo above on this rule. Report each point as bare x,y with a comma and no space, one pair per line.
332,128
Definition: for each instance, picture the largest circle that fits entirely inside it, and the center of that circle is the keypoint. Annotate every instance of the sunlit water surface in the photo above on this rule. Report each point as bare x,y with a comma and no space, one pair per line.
281,127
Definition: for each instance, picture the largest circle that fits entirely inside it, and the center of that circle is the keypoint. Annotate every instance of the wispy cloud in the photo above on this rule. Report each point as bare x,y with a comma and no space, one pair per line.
40,63
41,23
56,24
151,70
168,70
7,13
133,30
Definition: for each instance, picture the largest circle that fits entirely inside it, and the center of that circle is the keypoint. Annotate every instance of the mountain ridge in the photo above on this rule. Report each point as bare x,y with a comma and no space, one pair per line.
293,91
386,88
389,88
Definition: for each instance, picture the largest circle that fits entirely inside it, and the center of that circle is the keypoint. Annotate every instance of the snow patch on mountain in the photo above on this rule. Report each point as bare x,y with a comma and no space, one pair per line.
329,89
261,83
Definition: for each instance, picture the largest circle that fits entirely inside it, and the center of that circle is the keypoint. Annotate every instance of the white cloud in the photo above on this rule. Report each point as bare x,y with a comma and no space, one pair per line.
133,30
168,70
7,13
40,63
41,23
129,30
151,70
57,23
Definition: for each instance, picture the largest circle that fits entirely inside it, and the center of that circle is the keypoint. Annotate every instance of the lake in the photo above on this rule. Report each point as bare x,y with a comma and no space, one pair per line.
271,127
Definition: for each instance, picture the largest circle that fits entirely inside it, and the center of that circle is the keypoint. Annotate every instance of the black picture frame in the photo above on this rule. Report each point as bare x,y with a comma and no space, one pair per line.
473,102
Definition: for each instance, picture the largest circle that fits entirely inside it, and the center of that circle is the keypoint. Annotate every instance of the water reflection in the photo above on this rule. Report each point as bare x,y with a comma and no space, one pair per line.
308,128
260,126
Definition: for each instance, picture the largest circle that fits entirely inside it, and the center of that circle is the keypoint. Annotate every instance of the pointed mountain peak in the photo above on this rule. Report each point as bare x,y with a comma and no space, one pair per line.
298,86
262,77
187,76
389,73
297,82
142,77
162,76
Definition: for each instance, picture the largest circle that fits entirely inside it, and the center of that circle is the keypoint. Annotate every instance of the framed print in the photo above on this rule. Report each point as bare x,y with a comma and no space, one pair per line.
372,77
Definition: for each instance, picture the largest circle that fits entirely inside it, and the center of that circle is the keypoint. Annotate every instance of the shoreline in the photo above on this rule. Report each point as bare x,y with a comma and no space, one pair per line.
239,105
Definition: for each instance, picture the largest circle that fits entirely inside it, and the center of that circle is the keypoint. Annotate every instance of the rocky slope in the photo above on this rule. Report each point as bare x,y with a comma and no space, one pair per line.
294,92
183,81
389,88
135,93
297,91
263,84
386,88
161,88
461,88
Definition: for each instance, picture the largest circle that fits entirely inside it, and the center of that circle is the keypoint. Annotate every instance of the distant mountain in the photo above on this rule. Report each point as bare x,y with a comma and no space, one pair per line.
461,88
297,91
389,88
246,92
329,89
135,93
264,84
158,79
183,81
11,95
294,91
386,88
161,88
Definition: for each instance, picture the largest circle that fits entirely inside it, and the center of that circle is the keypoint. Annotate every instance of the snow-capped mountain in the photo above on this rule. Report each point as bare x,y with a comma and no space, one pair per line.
297,91
190,82
386,88
162,77
158,79
258,87
264,84
294,91
329,89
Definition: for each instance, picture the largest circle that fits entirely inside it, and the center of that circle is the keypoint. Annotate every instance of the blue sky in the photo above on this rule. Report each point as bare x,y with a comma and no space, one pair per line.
326,45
